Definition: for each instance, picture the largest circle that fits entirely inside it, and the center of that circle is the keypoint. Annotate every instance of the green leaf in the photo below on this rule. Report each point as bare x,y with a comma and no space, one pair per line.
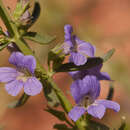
93,125
110,92
62,127
123,124
108,55
3,45
92,62
43,40
56,59
23,99
20,9
50,96
35,14
59,114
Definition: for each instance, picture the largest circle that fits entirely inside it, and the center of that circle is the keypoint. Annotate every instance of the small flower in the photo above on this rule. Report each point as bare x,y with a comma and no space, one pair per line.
78,49
11,46
85,93
22,76
95,71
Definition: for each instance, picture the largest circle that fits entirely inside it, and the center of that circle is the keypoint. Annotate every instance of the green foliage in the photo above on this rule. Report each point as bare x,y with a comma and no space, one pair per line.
93,125
92,62
3,45
50,96
20,9
23,99
108,55
43,40
111,92
55,59
59,114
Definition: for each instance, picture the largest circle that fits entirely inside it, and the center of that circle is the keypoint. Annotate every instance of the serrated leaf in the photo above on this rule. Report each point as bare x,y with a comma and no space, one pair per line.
93,125
59,114
108,55
51,97
43,40
62,127
91,62
23,99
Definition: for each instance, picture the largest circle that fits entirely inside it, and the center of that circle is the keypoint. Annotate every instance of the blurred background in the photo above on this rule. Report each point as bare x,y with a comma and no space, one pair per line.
104,23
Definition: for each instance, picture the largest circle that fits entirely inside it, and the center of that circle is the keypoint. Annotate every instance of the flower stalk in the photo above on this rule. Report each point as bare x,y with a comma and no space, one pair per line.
40,71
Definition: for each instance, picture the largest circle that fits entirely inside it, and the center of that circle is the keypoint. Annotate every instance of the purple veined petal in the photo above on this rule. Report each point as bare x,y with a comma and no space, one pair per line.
68,30
109,104
29,62
16,59
85,47
32,86
93,84
104,76
78,59
7,74
75,90
66,46
14,87
96,110
76,113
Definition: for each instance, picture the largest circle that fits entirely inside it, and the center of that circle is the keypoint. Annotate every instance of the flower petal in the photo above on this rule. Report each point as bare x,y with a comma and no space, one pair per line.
76,113
76,90
7,74
29,62
96,110
66,46
78,58
68,30
85,47
32,86
16,59
13,88
109,104
93,84
104,76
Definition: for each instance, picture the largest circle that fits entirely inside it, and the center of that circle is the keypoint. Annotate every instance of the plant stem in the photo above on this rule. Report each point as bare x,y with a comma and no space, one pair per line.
45,78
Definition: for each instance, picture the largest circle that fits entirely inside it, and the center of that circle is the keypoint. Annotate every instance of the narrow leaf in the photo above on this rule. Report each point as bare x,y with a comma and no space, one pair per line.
3,45
23,99
59,114
110,92
108,55
35,14
43,40
92,62
123,124
51,96
93,125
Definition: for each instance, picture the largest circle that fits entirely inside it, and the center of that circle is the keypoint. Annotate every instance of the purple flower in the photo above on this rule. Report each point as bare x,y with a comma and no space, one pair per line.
22,76
78,49
95,71
85,93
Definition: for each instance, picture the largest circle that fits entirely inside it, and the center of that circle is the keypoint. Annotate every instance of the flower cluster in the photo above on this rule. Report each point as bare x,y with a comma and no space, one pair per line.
22,76
78,49
86,86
